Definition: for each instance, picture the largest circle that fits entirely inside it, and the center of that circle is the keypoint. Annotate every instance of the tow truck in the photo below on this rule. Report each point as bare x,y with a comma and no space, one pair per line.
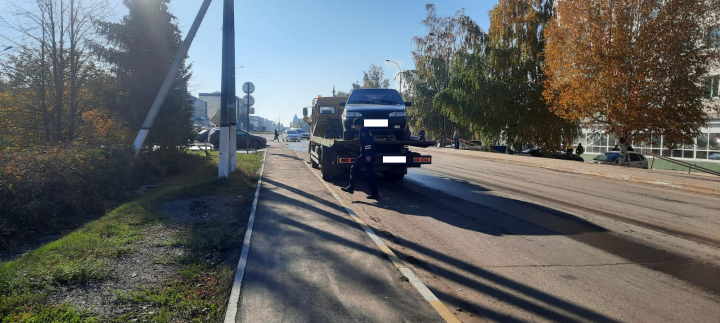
333,146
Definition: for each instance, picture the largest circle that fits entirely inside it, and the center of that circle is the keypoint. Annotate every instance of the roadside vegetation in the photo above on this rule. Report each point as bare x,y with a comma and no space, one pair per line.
31,285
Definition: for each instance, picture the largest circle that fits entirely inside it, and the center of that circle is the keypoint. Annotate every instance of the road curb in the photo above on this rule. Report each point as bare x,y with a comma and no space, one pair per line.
635,179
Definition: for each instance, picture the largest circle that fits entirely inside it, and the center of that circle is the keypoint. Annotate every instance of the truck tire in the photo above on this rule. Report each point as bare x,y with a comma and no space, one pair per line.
310,151
326,158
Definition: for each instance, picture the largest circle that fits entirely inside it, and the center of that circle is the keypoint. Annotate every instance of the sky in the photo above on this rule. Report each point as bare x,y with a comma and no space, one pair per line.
294,51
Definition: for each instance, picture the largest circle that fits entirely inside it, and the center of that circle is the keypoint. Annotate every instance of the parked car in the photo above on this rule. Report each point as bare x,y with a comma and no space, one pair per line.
715,156
290,135
203,135
255,142
613,158
303,134
534,152
564,156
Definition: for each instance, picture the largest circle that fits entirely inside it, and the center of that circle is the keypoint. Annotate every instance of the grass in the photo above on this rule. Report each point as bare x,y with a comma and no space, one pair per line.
83,256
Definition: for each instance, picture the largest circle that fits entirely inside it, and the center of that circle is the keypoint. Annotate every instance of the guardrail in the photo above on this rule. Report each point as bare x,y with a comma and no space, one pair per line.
682,163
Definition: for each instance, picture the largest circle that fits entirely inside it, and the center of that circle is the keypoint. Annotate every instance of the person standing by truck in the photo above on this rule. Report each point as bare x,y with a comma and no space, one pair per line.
366,159
422,134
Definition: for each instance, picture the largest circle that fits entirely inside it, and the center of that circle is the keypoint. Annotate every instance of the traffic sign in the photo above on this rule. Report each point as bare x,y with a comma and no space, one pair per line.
248,100
248,88
245,109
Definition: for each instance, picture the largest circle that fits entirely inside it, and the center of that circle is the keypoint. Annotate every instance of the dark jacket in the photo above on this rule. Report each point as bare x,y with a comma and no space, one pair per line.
580,150
422,132
367,144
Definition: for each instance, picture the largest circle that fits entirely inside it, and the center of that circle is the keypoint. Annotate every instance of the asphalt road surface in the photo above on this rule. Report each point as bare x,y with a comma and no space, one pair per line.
502,242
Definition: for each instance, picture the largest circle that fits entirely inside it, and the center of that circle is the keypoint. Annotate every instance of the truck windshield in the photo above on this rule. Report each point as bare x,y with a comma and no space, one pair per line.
375,96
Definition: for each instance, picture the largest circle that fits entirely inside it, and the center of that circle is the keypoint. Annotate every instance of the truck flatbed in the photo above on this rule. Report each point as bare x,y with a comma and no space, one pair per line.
339,142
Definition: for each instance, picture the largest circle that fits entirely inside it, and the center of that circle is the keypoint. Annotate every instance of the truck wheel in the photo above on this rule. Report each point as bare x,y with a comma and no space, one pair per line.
312,162
326,158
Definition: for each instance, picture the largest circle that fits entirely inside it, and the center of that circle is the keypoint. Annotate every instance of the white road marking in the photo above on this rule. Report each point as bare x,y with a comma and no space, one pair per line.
231,312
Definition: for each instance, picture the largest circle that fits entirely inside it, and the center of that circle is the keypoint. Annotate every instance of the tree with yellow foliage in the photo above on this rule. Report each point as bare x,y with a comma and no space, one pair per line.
631,68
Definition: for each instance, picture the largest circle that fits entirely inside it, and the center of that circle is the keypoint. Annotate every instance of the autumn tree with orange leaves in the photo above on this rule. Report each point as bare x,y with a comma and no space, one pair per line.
631,68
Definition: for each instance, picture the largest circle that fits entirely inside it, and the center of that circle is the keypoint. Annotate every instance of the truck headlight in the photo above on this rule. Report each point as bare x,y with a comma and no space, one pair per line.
397,114
353,114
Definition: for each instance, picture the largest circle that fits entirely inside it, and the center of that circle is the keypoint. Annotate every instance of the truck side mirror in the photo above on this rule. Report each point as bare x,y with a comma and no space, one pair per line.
408,104
342,104
305,112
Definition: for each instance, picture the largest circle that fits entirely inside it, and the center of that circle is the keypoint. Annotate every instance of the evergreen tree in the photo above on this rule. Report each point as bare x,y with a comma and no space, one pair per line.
144,45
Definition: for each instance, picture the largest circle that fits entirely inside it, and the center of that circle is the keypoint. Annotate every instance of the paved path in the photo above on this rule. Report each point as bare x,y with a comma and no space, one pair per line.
309,262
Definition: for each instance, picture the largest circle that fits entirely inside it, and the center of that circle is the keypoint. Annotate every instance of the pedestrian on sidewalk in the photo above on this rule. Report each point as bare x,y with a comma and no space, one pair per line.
276,136
366,159
616,148
422,134
456,137
580,149
570,149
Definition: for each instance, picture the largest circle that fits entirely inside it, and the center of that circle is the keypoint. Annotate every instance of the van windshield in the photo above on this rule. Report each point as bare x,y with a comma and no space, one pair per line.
375,96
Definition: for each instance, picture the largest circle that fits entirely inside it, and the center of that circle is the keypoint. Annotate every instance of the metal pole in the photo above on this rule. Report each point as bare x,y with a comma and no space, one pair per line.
247,137
400,68
172,73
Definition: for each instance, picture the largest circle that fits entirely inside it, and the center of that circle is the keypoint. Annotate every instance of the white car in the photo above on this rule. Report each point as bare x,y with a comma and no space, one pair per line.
613,157
290,135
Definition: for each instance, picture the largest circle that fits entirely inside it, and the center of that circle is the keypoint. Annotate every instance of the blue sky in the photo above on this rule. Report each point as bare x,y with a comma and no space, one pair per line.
295,50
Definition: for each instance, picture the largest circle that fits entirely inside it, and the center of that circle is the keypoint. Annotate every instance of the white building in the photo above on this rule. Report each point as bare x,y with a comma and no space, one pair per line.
200,116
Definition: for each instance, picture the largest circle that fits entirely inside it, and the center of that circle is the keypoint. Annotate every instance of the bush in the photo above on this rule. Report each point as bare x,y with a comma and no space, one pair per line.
46,191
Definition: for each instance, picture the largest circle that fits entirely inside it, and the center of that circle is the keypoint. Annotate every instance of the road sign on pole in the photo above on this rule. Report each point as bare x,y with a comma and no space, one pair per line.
248,88
248,100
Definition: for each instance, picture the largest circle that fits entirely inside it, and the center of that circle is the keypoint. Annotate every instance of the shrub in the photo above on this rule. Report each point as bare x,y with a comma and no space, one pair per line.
44,191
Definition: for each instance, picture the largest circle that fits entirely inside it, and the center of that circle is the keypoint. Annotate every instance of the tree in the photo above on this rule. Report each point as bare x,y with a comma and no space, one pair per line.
433,59
374,78
144,46
47,26
342,94
631,68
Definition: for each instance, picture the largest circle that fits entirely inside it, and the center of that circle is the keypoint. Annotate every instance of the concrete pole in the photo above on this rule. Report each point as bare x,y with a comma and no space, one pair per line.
172,73
232,163
225,98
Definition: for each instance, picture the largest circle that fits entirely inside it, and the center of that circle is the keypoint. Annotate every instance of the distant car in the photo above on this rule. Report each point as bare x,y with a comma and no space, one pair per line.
290,135
564,156
636,160
414,138
202,136
715,156
303,134
242,139
534,152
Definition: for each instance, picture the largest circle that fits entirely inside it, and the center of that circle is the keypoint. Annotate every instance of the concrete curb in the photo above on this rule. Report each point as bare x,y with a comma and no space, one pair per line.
635,179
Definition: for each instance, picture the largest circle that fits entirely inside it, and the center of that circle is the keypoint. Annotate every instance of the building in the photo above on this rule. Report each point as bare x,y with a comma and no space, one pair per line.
213,109
200,116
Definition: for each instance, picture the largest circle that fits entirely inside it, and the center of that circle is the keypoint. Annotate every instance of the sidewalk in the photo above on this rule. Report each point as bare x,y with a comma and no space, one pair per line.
309,262
688,182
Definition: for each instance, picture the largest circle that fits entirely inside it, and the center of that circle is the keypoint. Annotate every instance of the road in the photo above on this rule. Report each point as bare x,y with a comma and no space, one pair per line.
503,242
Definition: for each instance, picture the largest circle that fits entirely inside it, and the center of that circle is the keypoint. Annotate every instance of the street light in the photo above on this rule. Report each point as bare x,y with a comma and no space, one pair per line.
401,71
447,84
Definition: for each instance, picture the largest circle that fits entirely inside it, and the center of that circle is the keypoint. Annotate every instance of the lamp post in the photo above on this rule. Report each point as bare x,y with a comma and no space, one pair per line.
401,71
447,84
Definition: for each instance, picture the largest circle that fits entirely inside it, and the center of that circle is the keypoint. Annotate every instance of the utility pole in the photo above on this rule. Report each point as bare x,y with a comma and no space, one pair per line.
232,151
226,100
333,91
